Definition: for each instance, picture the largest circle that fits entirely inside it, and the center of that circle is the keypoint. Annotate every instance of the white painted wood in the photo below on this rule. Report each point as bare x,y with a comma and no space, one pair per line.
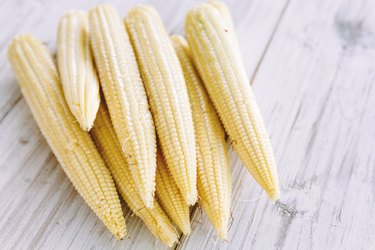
315,88
40,208
314,84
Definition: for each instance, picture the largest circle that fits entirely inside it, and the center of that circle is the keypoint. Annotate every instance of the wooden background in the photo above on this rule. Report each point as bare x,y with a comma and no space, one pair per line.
312,65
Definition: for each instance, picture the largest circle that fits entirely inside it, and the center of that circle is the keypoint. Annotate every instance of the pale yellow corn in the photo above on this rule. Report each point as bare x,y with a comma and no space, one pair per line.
73,147
213,171
170,196
125,96
228,22
225,14
166,90
216,55
76,68
106,141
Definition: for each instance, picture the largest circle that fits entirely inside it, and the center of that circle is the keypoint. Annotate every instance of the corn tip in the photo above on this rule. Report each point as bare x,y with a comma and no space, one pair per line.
170,242
222,232
186,230
274,195
121,234
191,198
18,39
85,125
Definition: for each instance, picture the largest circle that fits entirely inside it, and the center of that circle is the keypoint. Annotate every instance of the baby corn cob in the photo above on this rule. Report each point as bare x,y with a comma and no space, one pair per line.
73,147
214,178
166,90
219,63
170,196
125,96
76,68
106,141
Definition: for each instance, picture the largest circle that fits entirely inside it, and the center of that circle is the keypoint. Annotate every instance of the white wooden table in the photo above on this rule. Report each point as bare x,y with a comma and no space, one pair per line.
312,65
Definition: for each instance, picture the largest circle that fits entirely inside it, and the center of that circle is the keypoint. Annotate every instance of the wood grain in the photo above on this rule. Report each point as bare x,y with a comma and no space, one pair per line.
315,89
312,65
41,209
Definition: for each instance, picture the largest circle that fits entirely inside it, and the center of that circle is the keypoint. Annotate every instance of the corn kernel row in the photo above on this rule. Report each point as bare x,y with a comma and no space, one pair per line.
151,84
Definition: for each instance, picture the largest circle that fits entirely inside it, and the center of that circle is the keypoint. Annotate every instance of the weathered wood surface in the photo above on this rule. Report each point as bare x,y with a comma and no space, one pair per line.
315,89
312,65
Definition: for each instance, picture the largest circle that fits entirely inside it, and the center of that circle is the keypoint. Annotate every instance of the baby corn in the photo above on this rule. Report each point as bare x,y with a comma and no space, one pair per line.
73,147
214,178
76,68
125,96
216,55
166,90
170,196
106,141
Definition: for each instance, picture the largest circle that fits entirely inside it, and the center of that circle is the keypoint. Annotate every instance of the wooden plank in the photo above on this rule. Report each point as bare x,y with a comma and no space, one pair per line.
254,35
40,208
315,89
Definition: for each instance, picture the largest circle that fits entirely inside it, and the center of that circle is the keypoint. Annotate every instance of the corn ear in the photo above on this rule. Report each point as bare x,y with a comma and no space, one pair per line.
106,141
125,96
213,171
76,68
170,196
166,90
217,57
73,147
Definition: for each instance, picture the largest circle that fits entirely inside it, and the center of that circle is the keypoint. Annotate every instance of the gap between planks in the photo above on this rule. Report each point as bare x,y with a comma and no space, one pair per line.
197,207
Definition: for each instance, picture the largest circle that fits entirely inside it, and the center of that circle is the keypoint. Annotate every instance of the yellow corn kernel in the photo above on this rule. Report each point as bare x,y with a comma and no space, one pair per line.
73,147
213,171
76,68
106,141
166,90
170,196
125,96
218,61
228,22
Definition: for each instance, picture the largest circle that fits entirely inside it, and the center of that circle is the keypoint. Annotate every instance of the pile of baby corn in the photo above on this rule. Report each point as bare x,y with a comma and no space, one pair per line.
130,110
